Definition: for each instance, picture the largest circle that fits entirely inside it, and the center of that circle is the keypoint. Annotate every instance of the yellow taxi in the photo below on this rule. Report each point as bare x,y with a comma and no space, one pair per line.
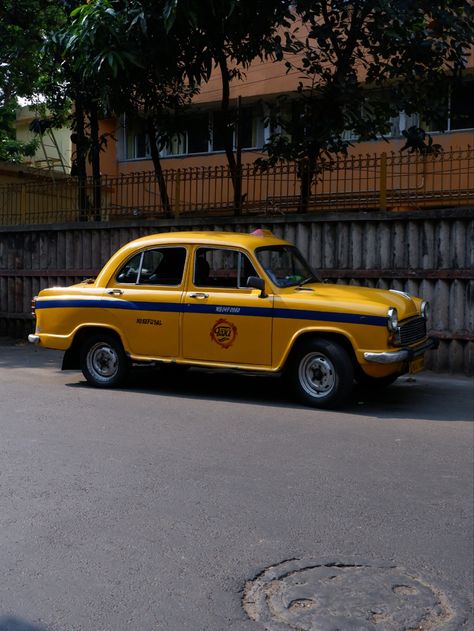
229,300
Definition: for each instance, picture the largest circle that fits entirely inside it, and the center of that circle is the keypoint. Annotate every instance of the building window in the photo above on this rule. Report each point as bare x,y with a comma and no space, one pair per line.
136,140
192,138
458,111
401,123
398,124
218,133
175,147
199,133
461,114
251,130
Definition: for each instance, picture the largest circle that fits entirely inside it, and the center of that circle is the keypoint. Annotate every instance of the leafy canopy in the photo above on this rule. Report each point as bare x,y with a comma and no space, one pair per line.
362,62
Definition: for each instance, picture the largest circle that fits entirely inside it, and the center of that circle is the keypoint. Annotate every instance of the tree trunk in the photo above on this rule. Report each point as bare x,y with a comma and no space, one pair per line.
155,156
305,185
238,198
306,172
234,168
95,159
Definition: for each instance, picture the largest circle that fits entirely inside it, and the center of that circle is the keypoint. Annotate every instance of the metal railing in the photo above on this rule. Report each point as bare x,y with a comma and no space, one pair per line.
388,181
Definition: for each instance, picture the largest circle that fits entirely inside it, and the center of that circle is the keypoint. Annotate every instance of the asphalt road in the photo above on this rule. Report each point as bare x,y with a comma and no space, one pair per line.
149,507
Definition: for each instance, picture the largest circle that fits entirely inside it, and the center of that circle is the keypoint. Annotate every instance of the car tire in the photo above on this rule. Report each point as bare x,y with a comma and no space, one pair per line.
322,374
103,361
366,381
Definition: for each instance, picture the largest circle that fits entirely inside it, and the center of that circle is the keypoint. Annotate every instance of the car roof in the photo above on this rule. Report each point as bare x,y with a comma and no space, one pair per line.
236,239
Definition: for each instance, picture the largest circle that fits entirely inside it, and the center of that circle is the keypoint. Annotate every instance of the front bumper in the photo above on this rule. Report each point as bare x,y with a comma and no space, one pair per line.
403,355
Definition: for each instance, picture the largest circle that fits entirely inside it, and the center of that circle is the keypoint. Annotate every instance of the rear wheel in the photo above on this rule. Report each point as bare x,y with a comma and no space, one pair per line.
322,374
103,361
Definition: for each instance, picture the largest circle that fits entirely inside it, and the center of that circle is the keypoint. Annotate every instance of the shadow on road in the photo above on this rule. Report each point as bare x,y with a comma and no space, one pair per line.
427,397
11,623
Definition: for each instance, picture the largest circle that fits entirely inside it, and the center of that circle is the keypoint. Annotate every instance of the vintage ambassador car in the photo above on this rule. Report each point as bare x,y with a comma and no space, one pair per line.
240,301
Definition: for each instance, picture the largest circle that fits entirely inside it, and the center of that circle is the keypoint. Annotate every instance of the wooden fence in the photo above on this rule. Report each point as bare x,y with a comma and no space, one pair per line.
429,253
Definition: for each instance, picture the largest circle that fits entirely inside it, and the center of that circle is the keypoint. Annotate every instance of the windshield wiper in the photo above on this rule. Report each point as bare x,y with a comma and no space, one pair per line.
308,279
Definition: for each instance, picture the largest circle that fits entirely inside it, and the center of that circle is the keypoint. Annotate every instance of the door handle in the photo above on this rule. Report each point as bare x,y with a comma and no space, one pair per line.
115,292
199,295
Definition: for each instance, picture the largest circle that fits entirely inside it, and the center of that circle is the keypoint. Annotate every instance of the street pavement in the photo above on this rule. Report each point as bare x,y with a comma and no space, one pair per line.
148,508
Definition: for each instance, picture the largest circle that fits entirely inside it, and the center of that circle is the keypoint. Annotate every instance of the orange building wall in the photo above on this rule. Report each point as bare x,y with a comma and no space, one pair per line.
109,164
261,80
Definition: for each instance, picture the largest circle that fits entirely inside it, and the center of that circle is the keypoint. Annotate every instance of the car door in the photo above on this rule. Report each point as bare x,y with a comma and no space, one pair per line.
144,300
224,321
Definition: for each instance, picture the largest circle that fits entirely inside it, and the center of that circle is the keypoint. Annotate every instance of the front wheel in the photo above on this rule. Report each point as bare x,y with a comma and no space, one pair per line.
322,374
103,361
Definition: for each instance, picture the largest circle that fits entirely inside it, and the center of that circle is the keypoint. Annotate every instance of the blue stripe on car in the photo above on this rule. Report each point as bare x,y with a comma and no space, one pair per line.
170,307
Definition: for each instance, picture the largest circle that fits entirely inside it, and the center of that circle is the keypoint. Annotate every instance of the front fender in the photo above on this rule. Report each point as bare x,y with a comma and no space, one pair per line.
347,339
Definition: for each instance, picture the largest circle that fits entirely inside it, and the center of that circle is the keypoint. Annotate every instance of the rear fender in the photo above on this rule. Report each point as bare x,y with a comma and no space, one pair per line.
72,356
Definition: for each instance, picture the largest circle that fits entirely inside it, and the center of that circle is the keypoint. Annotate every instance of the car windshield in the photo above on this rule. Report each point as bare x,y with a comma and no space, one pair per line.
286,266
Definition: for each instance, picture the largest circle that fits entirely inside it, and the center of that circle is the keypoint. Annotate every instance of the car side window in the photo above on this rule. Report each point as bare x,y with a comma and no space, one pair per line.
128,273
159,266
222,268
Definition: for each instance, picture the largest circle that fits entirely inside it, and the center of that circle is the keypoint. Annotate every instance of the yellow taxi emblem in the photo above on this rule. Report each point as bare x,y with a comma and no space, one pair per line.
224,333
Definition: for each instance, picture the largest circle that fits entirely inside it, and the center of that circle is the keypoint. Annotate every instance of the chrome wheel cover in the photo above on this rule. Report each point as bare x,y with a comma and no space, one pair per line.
317,375
102,362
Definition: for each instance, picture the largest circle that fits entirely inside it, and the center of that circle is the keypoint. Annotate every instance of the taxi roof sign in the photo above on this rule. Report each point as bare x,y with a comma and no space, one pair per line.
261,232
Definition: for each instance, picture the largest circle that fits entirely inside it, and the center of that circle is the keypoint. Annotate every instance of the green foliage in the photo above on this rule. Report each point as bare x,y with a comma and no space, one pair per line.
418,141
11,150
361,63
121,54
239,30
227,35
22,28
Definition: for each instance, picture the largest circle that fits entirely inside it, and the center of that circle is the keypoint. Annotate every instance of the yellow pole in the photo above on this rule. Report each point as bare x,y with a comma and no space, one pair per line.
177,194
22,204
383,182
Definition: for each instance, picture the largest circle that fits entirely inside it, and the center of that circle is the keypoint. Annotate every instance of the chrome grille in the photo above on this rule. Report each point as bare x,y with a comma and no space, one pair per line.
411,331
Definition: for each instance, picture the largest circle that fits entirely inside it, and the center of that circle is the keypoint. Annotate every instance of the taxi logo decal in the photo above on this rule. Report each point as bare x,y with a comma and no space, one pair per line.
224,333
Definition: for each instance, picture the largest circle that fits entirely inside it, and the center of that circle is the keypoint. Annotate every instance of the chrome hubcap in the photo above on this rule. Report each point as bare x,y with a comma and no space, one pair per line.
102,361
317,375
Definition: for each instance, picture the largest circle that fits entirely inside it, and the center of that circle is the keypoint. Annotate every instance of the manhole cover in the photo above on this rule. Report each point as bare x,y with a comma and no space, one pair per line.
308,595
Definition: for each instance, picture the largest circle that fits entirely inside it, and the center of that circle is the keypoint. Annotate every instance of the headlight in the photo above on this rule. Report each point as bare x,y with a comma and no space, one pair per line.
425,309
392,319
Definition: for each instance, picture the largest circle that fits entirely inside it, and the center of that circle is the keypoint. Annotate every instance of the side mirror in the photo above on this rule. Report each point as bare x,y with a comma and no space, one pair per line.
257,283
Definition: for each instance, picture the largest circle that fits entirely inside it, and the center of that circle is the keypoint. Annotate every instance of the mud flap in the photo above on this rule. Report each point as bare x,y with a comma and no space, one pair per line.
71,359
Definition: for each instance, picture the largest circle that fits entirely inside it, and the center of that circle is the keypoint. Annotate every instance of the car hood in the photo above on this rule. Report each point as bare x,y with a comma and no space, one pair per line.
353,299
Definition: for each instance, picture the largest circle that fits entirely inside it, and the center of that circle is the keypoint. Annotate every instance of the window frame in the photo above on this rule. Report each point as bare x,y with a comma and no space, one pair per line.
240,253
142,253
